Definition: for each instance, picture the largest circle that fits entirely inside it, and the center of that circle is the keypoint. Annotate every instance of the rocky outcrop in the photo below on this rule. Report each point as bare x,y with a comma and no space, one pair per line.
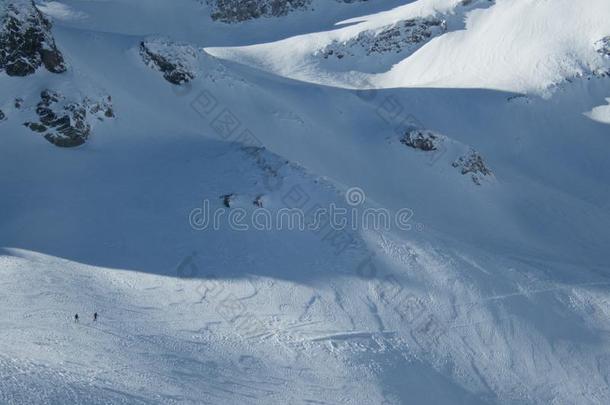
472,163
421,139
436,146
2,116
227,199
66,123
231,11
26,42
175,61
404,35
603,46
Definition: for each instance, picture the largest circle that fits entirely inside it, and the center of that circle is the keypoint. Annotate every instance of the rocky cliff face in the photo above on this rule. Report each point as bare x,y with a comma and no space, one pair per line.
403,35
242,10
176,62
26,41
603,46
421,139
472,163
231,11
468,162
66,123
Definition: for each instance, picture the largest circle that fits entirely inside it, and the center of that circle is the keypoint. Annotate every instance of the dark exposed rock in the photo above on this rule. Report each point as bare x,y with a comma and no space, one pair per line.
68,126
258,201
227,199
406,32
403,35
2,116
603,46
36,127
421,139
66,123
231,11
26,42
18,103
173,60
97,108
472,163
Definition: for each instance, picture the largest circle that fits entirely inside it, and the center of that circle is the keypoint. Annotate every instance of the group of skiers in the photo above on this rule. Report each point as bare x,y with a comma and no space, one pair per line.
94,317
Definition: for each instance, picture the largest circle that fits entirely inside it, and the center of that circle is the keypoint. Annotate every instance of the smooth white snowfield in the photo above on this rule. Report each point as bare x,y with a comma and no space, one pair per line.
499,292
601,113
515,45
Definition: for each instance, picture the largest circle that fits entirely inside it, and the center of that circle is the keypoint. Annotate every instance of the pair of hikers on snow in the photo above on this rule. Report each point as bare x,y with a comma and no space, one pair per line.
94,317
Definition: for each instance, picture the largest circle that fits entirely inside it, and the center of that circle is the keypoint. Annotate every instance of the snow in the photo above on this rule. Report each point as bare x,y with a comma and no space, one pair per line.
523,46
498,293
60,11
601,113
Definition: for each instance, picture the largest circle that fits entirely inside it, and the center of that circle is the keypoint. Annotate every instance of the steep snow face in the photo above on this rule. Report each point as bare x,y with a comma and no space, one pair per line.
369,44
376,49
522,46
26,42
489,283
525,46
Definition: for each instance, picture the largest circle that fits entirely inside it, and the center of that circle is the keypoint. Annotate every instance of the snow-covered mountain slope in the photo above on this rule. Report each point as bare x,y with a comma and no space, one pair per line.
492,285
522,46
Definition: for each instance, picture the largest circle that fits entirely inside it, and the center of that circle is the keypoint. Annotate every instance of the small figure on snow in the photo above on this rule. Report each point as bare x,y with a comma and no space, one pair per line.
76,318
95,317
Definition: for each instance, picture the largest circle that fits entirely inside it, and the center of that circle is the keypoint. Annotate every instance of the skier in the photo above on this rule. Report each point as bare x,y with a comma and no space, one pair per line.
95,317
76,318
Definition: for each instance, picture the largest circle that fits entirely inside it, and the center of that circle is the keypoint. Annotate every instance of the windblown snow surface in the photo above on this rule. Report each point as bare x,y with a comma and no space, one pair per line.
497,291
